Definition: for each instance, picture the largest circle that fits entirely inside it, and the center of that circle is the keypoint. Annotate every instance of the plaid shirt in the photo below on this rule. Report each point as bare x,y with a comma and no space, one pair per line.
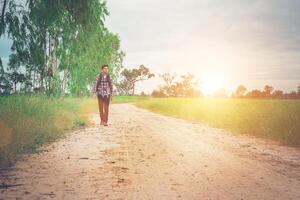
104,86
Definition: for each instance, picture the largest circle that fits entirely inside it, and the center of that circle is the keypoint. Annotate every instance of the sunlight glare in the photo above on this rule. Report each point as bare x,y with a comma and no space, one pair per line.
213,80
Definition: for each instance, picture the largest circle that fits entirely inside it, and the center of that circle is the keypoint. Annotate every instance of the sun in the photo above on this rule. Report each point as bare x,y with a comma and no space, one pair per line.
211,81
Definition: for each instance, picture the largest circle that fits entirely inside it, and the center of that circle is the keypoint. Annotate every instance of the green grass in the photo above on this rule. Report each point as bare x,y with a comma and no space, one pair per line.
129,99
27,122
275,119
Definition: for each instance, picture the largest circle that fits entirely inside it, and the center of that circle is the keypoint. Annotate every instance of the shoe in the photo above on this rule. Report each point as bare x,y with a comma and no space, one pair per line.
105,124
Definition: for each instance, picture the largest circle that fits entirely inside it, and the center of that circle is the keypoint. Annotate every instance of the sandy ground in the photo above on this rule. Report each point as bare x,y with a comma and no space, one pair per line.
143,155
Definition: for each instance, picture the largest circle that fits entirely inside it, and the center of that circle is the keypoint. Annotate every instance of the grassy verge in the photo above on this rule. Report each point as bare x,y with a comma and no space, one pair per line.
275,119
129,99
26,122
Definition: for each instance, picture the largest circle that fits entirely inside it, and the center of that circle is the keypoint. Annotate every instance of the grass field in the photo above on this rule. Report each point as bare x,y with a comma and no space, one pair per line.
275,119
26,122
129,99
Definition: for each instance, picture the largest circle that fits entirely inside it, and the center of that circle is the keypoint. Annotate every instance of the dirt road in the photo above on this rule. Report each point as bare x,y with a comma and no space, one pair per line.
143,155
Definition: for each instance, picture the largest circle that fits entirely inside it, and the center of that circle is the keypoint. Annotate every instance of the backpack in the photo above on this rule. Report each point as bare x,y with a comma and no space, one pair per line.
100,78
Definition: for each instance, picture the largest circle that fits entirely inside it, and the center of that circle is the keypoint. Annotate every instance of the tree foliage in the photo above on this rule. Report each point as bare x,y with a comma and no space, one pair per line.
58,45
130,77
185,87
240,91
267,93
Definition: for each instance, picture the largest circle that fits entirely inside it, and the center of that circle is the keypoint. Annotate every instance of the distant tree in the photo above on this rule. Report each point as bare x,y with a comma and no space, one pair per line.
123,87
240,91
188,85
132,76
185,87
267,91
158,93
168,87
291,95
278,94
254,94
298,90
168,78
178,89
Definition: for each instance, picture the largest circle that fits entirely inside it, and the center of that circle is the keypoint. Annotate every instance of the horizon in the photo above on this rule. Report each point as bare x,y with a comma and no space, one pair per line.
259,44
223,44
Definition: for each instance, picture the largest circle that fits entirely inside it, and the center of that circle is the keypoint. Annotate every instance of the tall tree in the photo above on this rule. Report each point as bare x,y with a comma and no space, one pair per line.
186,87
254,94
59,43
132,76
168,87
240,91
268,90
277,94
2,20
5,84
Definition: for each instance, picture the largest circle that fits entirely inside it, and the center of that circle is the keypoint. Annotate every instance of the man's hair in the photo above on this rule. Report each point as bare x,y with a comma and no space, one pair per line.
104,66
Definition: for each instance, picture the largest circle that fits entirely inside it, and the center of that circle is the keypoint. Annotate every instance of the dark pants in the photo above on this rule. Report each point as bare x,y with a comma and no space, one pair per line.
103,103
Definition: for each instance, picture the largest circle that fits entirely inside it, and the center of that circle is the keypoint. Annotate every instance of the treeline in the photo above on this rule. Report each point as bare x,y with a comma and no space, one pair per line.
57,46
267,92
187,87
129,77
184,87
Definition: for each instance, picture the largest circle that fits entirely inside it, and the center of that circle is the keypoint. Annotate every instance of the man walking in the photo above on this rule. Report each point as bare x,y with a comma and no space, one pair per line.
103,87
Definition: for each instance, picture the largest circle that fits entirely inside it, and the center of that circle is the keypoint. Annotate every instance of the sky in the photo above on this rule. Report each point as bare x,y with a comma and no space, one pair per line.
222,43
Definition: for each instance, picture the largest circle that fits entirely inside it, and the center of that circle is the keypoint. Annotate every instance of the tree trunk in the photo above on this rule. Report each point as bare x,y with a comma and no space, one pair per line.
133,85
2,16
64,82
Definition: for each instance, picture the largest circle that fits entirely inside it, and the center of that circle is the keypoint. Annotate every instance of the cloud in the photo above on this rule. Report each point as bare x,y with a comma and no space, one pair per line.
255,39
147,25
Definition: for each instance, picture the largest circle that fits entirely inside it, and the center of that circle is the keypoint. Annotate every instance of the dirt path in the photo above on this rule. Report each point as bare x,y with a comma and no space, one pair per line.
143,155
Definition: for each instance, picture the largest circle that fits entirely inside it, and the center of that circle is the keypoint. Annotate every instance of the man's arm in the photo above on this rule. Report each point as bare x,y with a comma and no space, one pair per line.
94,90
111,85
